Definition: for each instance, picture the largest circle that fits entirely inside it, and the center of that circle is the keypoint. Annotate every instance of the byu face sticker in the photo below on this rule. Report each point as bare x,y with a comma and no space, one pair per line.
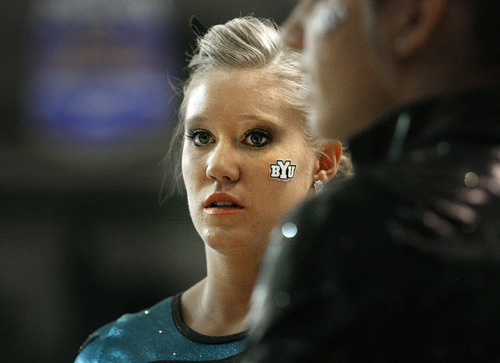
282,170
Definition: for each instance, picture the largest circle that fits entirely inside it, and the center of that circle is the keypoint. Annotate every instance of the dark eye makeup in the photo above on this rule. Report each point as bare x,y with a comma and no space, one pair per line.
255,137
200,137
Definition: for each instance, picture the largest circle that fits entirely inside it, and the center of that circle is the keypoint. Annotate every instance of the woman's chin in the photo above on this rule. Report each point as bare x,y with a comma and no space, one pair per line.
228,243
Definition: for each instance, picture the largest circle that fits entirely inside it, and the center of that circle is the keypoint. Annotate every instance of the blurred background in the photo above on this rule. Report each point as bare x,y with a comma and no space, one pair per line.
87,109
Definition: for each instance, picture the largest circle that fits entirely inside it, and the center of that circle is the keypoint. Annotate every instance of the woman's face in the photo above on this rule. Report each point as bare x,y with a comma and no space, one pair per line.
236,127
345,95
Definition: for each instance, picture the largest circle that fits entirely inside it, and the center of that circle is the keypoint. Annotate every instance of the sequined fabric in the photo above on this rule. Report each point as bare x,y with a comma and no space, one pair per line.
401,262
157,334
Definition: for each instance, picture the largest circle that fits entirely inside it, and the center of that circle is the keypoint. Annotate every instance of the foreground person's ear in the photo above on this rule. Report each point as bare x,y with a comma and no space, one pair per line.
419,22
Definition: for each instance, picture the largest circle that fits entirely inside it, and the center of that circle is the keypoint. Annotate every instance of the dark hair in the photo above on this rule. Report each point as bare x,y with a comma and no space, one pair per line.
487,28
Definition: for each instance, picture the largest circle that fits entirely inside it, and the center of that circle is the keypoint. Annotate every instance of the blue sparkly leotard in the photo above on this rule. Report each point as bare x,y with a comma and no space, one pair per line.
158,334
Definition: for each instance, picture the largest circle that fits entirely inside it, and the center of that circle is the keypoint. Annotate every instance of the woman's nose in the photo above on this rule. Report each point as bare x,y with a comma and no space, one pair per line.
223,165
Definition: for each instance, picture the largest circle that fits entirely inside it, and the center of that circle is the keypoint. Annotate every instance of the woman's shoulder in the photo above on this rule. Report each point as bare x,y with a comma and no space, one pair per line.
129,334
157,334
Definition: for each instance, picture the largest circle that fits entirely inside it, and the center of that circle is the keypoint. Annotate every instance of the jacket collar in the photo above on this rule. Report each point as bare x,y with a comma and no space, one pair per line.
472,114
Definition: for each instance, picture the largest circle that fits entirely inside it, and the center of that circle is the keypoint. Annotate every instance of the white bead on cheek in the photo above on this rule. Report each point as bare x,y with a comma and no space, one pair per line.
327,16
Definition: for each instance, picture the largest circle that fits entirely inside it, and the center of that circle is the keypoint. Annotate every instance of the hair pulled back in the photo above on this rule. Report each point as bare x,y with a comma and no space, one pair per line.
246,43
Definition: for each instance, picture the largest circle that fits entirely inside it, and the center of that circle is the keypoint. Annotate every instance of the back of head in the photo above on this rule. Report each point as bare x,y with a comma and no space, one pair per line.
443,46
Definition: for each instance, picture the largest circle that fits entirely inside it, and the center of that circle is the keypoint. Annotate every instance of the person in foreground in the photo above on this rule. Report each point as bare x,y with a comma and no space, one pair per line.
402,261
248,157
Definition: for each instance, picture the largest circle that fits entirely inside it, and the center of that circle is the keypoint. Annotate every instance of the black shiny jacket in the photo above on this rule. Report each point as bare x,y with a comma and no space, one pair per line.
401,262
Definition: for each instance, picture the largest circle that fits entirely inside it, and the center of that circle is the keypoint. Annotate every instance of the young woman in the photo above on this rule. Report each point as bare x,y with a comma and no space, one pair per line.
247,159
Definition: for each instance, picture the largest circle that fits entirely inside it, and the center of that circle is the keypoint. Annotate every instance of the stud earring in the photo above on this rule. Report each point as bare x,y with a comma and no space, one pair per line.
318,184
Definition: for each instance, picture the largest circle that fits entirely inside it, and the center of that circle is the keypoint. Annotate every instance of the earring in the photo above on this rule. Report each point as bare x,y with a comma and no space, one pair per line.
318,184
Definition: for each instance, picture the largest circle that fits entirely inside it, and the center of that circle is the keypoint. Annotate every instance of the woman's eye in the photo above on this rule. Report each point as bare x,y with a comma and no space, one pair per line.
200,138
257,138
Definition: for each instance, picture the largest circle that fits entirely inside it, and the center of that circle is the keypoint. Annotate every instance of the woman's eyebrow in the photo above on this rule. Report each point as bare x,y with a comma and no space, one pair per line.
266,118
195,119
249,119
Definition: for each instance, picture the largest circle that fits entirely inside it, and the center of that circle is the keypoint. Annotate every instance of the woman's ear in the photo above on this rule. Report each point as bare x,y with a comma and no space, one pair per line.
329,159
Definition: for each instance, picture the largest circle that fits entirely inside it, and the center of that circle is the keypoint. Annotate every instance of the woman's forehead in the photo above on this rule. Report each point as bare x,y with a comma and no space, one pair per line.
241,92
232,77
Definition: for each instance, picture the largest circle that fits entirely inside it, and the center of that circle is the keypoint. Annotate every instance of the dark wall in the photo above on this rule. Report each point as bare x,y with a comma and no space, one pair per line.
83,243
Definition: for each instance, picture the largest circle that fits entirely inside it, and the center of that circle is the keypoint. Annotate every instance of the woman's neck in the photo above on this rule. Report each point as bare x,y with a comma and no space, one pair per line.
218,305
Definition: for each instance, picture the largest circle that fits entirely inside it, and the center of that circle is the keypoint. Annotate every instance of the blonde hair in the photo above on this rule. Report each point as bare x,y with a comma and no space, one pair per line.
247,43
